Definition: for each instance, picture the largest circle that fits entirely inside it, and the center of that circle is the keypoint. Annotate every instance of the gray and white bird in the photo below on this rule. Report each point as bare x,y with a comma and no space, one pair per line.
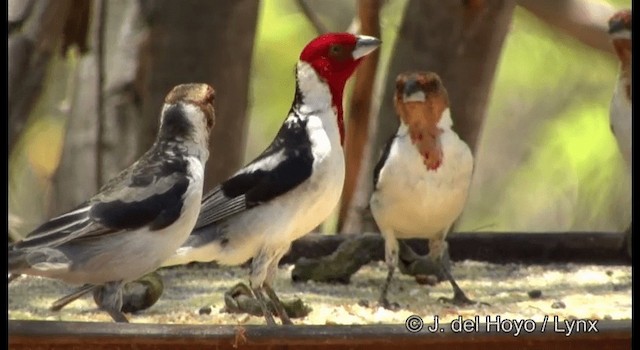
620,110
422,178
139,218
291,187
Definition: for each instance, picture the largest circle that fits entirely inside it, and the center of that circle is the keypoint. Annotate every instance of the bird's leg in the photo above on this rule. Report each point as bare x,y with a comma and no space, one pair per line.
459,298
111,301
259,267
437,248
271,275
384,302
391,258
268,316
410,263
67,299
282,313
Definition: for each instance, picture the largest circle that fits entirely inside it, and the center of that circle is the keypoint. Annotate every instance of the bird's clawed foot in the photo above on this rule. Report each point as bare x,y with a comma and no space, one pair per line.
460,299
110,299
118,316
392,306
282,313
242,299
268,316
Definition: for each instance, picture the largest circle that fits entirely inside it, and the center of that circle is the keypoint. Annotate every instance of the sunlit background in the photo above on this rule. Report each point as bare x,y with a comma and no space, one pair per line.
547,160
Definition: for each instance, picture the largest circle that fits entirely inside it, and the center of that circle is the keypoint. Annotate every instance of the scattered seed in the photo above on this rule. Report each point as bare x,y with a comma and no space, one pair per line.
535,293
430,280
205,310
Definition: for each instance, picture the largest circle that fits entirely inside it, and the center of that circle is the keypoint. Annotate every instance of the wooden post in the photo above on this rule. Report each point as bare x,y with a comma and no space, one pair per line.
208,42
359,110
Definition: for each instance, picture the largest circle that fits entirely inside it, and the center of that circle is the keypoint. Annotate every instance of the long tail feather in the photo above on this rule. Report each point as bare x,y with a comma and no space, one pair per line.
66,300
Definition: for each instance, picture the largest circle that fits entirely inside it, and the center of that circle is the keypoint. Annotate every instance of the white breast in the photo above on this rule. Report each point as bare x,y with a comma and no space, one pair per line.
279,222
416,202
318,196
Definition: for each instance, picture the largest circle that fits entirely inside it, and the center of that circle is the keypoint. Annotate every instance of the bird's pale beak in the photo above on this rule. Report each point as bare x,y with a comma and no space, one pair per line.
616,25
413,92
365,45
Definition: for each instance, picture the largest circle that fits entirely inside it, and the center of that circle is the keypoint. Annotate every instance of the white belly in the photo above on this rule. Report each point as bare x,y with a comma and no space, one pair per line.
274,225
416,203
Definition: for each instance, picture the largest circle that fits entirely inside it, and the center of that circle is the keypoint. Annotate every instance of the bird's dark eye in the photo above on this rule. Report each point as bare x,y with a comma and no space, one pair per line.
335,50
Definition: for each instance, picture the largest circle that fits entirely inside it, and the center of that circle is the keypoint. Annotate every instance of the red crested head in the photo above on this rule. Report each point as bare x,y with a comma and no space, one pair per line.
334,57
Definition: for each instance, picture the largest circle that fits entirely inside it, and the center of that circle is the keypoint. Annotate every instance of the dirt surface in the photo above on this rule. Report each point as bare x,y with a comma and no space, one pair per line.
567,290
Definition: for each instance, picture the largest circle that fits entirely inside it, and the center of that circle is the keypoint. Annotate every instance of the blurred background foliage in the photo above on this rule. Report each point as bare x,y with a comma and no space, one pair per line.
546,160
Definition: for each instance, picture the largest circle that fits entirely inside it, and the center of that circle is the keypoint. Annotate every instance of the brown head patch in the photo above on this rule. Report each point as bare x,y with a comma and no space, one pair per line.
201,95
420,100
620,31
620,21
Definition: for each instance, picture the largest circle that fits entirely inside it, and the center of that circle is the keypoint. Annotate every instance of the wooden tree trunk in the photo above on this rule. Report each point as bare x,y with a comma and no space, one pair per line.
201,41
459,40
121,90
77,176
34,30
140,50
102,129
359,116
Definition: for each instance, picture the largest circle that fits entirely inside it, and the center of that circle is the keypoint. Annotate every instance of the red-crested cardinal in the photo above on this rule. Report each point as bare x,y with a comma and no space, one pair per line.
139,218
422,178
294,184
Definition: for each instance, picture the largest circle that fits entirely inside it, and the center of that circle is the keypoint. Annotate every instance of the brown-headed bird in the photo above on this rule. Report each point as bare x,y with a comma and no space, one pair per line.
422,179
139,218
620,111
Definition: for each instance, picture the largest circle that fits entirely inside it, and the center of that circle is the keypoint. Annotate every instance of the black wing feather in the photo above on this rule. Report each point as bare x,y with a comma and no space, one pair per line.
147,193
62,220
56,230
159,210
262,186
382,160
247,189
153,194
